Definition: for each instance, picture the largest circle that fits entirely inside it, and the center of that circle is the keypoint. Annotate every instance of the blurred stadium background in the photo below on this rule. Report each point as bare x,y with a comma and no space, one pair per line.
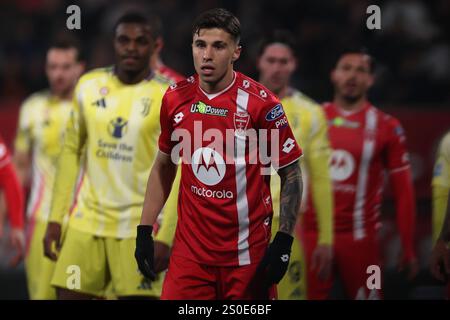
412,50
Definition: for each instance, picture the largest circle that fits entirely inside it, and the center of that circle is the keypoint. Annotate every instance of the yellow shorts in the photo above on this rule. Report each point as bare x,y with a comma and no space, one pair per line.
93,265
39,269
293,284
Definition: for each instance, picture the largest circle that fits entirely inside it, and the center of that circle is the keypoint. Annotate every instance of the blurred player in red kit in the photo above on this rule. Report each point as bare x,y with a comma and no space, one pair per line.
14,198
224,206
366,142
156,62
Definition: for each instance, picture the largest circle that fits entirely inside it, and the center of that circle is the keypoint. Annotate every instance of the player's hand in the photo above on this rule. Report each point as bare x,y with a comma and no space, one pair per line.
276,260
321,261
410,266
17,240
440,261
144,253
162,255
52,238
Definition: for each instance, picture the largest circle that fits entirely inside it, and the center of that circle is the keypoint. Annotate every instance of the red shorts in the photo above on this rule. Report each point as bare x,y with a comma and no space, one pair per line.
351,261
189,280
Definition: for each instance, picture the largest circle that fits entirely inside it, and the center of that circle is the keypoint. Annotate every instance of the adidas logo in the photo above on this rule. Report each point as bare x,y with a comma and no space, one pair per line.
100,103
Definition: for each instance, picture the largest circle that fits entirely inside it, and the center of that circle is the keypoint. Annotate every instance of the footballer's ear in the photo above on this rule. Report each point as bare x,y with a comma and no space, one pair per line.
236,53
333,75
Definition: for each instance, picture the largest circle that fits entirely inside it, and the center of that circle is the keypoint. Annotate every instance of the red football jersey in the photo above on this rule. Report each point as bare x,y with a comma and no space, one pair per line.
170,74
224,203
365,144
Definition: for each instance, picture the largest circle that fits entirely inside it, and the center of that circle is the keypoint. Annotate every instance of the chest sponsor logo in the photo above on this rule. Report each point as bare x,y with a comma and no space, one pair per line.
344,123
275,113
241,121
118,127
203,108
208,166
342,165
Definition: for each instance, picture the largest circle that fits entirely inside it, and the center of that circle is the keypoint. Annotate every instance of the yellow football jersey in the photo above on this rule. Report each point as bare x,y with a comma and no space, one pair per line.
42,123
441,185
118,125
309,126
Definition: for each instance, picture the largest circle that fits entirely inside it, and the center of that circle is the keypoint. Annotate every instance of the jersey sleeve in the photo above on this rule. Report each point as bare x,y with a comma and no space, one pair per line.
165,143
397,162
441,174
396,154
317,155
23,140
10,185
5,158
440,186
281,142
69,161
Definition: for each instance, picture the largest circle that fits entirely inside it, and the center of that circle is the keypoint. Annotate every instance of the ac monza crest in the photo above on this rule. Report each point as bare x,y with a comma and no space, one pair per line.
241,121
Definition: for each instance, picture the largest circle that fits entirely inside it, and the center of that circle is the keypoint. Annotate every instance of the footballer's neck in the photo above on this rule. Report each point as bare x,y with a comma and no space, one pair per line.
132,77
220,84
64,95
350,105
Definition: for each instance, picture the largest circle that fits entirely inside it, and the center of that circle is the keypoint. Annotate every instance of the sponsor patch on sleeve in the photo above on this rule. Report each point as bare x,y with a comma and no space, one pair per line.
275,113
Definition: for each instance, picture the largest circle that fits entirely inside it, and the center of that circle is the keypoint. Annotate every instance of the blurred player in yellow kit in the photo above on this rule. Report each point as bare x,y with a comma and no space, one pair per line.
42,123
276,64
440,261
116,119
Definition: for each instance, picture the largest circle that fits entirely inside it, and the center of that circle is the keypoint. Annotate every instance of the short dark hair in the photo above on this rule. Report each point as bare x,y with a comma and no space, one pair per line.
282,36
218,18
152,21
66,42
356,50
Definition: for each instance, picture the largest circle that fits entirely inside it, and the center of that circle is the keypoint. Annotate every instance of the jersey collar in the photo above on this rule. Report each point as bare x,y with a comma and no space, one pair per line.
211,96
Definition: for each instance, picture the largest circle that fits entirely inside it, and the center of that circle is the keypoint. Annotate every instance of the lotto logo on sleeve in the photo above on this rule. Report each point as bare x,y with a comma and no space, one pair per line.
275,113
288,145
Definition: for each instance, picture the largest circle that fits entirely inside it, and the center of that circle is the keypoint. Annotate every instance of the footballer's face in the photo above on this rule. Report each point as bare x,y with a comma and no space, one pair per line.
352,76
276,65
214,51
133,44
63,70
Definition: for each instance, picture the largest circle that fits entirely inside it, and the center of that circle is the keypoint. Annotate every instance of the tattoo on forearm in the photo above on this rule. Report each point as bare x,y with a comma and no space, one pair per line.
291,195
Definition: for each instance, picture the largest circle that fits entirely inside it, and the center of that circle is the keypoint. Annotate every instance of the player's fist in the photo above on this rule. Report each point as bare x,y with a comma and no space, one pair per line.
144,253
276,260
52,238
162,256
17,240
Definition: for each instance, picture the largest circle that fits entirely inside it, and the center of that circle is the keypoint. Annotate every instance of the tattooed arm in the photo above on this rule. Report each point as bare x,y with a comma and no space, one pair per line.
291,195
